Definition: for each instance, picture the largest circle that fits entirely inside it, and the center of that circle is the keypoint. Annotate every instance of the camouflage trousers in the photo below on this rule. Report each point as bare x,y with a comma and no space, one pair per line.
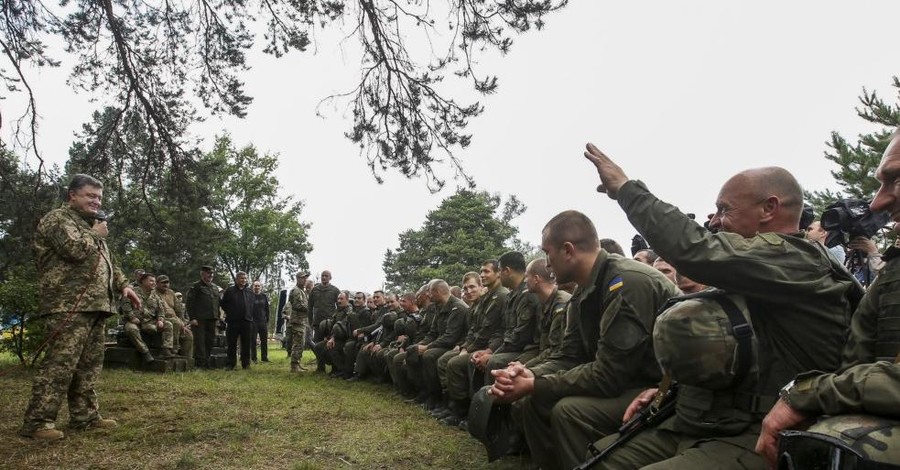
70,368
182,338
299,330
134,334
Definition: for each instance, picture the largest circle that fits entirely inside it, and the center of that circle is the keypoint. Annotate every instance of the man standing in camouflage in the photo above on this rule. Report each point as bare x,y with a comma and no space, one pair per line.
81,283
299,320
202,304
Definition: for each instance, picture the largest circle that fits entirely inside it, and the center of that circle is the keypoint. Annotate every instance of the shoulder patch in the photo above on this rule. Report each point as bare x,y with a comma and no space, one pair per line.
615,284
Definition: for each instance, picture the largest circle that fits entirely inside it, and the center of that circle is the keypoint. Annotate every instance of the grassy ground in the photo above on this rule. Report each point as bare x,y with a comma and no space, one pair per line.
264,417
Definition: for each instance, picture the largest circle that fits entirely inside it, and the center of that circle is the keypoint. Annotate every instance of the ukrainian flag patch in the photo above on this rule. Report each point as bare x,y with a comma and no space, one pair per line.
615,284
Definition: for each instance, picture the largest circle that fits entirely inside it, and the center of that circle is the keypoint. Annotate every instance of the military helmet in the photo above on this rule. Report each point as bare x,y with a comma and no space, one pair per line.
325,327
706,340
845,441
491,424
339,331
388,320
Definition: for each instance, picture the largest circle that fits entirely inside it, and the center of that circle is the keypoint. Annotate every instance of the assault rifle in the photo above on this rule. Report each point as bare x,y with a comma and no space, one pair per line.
660,409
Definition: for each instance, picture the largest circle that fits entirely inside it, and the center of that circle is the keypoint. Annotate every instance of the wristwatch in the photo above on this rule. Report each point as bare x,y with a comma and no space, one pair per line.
785,393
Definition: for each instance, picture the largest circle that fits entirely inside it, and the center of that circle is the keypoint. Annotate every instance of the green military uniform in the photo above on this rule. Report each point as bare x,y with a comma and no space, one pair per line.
518,341
408,326
148,315
80,283
553,326
202,305
800,303
875,328
487,322
605,359
322,305
299,324
405,369
447,330
360,318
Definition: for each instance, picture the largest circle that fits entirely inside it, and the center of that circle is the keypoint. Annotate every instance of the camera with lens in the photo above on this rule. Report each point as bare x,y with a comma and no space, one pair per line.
850,218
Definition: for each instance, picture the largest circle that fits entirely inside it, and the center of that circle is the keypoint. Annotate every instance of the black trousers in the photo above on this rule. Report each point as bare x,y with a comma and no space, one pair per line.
204,339
238,331
260,331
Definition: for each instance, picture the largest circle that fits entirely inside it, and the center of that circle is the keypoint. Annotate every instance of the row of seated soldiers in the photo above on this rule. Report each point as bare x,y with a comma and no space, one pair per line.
162,312
438,349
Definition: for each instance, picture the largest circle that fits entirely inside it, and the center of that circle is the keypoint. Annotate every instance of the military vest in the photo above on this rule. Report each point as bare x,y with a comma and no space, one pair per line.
887,343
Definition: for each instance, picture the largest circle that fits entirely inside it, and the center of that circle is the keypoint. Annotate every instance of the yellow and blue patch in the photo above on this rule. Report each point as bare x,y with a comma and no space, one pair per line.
615,284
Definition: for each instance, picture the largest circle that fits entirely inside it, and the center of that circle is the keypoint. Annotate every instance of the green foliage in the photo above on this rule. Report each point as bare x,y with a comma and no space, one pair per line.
19,304
856,162
464,231
26,198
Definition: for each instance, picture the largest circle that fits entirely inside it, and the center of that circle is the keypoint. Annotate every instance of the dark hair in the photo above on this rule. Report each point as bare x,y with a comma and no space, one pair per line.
145,276
611,246
495,265
81,180
513,260
573,227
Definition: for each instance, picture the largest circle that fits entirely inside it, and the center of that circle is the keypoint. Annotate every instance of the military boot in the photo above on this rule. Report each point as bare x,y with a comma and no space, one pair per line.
295,367
166,353
148,357
44,434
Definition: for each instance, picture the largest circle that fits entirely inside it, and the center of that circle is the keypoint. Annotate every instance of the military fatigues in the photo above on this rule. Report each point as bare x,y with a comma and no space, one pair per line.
408,326
80,283
605,359
800,302
322,304
182,338
358,319
202,305
875,328
148,315
487,321
406,374
553,326
446,331
518,340
299,323
339,333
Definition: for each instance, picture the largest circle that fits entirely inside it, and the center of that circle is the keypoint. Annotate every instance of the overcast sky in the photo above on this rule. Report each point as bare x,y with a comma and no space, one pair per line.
681,94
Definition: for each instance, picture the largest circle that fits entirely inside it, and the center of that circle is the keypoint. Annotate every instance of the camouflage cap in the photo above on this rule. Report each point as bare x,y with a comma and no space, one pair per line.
206,268
694,341
302,274
162,278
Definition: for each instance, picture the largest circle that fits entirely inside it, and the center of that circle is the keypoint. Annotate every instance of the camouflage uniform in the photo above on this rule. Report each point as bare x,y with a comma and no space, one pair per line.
875,328
81,282
299,323
150,312
800,302
605,359
182,338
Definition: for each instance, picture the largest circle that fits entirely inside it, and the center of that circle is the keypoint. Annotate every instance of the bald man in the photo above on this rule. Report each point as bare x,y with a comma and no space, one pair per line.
800,301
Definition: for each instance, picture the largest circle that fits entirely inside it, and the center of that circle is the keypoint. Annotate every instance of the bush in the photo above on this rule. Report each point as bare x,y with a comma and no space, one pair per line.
18,307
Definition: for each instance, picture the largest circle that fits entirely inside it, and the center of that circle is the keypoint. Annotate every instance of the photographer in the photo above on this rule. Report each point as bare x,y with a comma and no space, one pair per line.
865,259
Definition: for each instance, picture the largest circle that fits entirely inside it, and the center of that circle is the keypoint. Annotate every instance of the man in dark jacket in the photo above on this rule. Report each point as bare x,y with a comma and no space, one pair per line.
237,301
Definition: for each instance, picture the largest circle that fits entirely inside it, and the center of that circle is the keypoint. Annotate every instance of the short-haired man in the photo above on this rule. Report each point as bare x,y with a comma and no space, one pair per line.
260,329
869,383
202,305
237,302
80,282
182,338
580,393
446,331
298,320
518,341
149,319
322,303
799,303
554,302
